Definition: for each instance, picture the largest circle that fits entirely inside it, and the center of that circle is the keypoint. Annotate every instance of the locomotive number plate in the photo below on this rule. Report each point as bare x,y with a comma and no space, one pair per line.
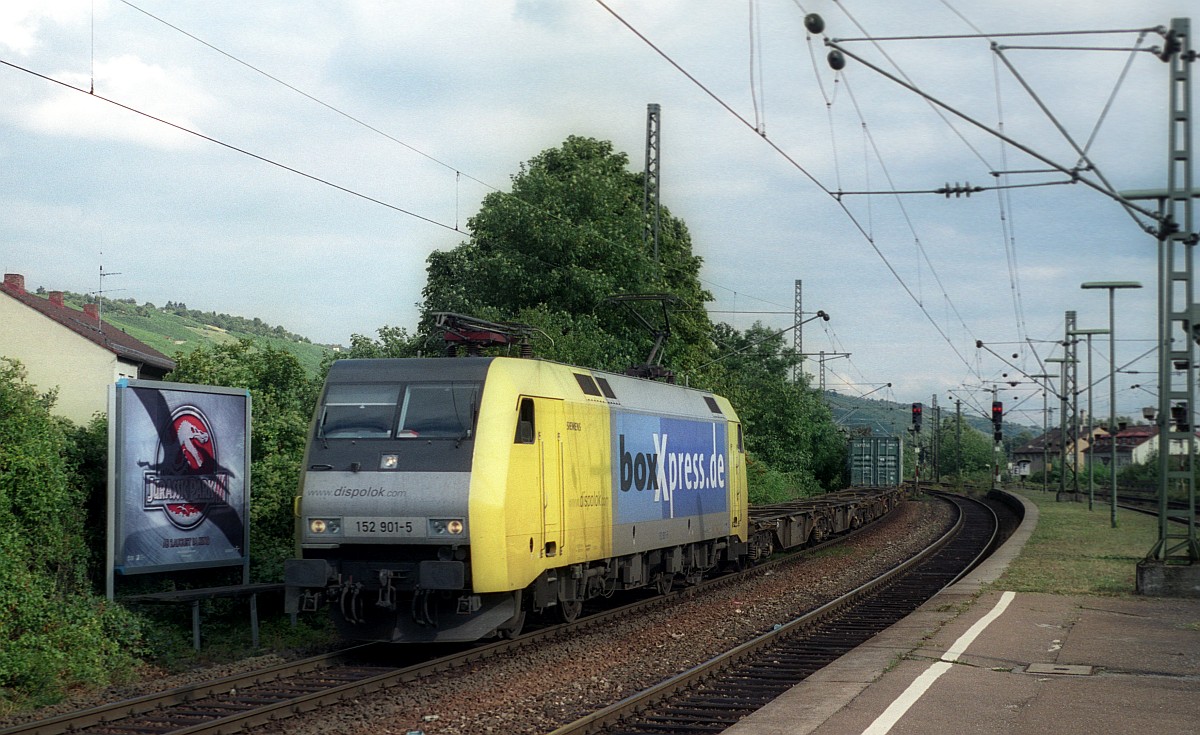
385,526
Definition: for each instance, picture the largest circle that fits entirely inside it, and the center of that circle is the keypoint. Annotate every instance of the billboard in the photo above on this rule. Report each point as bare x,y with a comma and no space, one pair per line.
179,476
666,467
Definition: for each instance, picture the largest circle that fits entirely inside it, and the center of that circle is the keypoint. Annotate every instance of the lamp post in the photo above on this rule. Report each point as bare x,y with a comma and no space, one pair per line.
1112,287
1091,434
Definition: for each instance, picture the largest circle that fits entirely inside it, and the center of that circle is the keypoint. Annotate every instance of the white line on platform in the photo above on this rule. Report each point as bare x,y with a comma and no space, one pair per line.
886,721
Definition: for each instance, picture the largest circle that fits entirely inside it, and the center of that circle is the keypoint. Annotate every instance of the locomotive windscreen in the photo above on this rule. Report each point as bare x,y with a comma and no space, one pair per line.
429,410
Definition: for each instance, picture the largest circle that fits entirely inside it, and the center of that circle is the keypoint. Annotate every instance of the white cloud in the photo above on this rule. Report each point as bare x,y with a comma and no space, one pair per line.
23,22
168,94
485,86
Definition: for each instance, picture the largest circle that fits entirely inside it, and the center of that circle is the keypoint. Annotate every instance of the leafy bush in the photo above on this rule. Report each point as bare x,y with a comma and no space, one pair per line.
282,397
56,632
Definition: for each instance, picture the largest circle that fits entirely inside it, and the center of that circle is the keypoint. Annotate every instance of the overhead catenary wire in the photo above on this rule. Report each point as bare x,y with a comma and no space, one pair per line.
459,174
756,73
1072,173
904,211
757,93
875,42
1005,212
229,146
874,231
795,164
301,92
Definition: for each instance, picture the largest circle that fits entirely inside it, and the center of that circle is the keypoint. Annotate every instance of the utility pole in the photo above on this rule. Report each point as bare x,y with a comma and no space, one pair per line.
798,335
1066,410
935,441
1091,465
822,356
1173,563
958,439
650,191
1045,384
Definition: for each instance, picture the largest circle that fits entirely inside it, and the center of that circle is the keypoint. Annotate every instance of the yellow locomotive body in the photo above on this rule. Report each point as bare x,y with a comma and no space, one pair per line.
488,488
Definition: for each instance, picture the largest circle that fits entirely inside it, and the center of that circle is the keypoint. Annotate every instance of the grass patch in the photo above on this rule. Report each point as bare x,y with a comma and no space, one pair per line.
226,636
1074,551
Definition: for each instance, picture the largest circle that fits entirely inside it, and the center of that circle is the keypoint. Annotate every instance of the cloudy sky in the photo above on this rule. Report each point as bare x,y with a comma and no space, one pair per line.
345,141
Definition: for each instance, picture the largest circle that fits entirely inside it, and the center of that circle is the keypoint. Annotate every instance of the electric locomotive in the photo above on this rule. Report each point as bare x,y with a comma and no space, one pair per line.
446,499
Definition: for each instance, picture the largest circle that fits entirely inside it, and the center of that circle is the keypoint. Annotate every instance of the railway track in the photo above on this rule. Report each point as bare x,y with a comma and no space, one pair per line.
242,702
714,695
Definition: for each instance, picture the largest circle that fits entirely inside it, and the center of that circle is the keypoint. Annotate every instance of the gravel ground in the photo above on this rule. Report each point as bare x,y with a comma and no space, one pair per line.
538,689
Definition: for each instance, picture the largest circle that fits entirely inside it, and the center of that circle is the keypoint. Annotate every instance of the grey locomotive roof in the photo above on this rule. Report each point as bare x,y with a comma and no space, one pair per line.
632,394
409,368
638,394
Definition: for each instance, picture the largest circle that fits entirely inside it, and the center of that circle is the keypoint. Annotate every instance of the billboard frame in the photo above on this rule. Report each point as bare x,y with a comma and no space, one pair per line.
119,484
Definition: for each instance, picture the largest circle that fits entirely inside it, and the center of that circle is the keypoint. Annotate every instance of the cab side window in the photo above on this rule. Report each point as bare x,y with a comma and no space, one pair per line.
525,425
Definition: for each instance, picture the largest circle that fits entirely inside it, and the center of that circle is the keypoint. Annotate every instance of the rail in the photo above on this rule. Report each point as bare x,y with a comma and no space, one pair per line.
854,617
242,702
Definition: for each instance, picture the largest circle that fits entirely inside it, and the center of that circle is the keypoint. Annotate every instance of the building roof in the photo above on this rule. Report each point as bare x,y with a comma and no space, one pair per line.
87,324
1127,439
1052,440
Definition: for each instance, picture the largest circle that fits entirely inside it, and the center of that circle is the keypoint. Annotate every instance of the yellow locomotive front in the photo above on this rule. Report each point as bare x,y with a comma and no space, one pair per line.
384,524
445,499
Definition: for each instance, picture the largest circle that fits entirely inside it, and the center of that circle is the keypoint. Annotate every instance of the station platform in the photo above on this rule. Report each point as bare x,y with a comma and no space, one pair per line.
1002,663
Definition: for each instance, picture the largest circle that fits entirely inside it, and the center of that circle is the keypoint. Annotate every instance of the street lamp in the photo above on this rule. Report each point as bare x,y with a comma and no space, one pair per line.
1112,287
1091,432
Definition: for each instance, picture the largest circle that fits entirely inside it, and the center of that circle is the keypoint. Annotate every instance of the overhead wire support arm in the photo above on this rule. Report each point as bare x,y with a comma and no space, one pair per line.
1126,49
819,315
1047,386
1073,173
1161,30
957,190
1083,157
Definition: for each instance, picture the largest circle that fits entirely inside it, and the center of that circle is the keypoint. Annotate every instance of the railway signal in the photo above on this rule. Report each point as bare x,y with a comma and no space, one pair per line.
916,416
997,420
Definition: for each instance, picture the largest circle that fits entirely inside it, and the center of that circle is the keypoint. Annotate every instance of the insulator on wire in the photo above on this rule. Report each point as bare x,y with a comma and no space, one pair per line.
958,190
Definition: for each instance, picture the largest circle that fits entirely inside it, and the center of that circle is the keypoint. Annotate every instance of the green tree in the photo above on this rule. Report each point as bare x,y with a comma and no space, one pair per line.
569,236
551,252
392,342
789,429
972,458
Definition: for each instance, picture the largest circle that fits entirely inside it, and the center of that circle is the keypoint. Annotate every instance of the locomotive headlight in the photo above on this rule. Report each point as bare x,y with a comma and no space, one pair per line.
445,527
324,525
389,462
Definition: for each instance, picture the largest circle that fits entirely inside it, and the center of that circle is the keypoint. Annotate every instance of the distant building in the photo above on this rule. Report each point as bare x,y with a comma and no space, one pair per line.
71,350
1135,445
1044,450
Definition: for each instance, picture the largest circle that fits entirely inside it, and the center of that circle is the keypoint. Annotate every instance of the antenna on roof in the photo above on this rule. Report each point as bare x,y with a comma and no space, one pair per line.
100,296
